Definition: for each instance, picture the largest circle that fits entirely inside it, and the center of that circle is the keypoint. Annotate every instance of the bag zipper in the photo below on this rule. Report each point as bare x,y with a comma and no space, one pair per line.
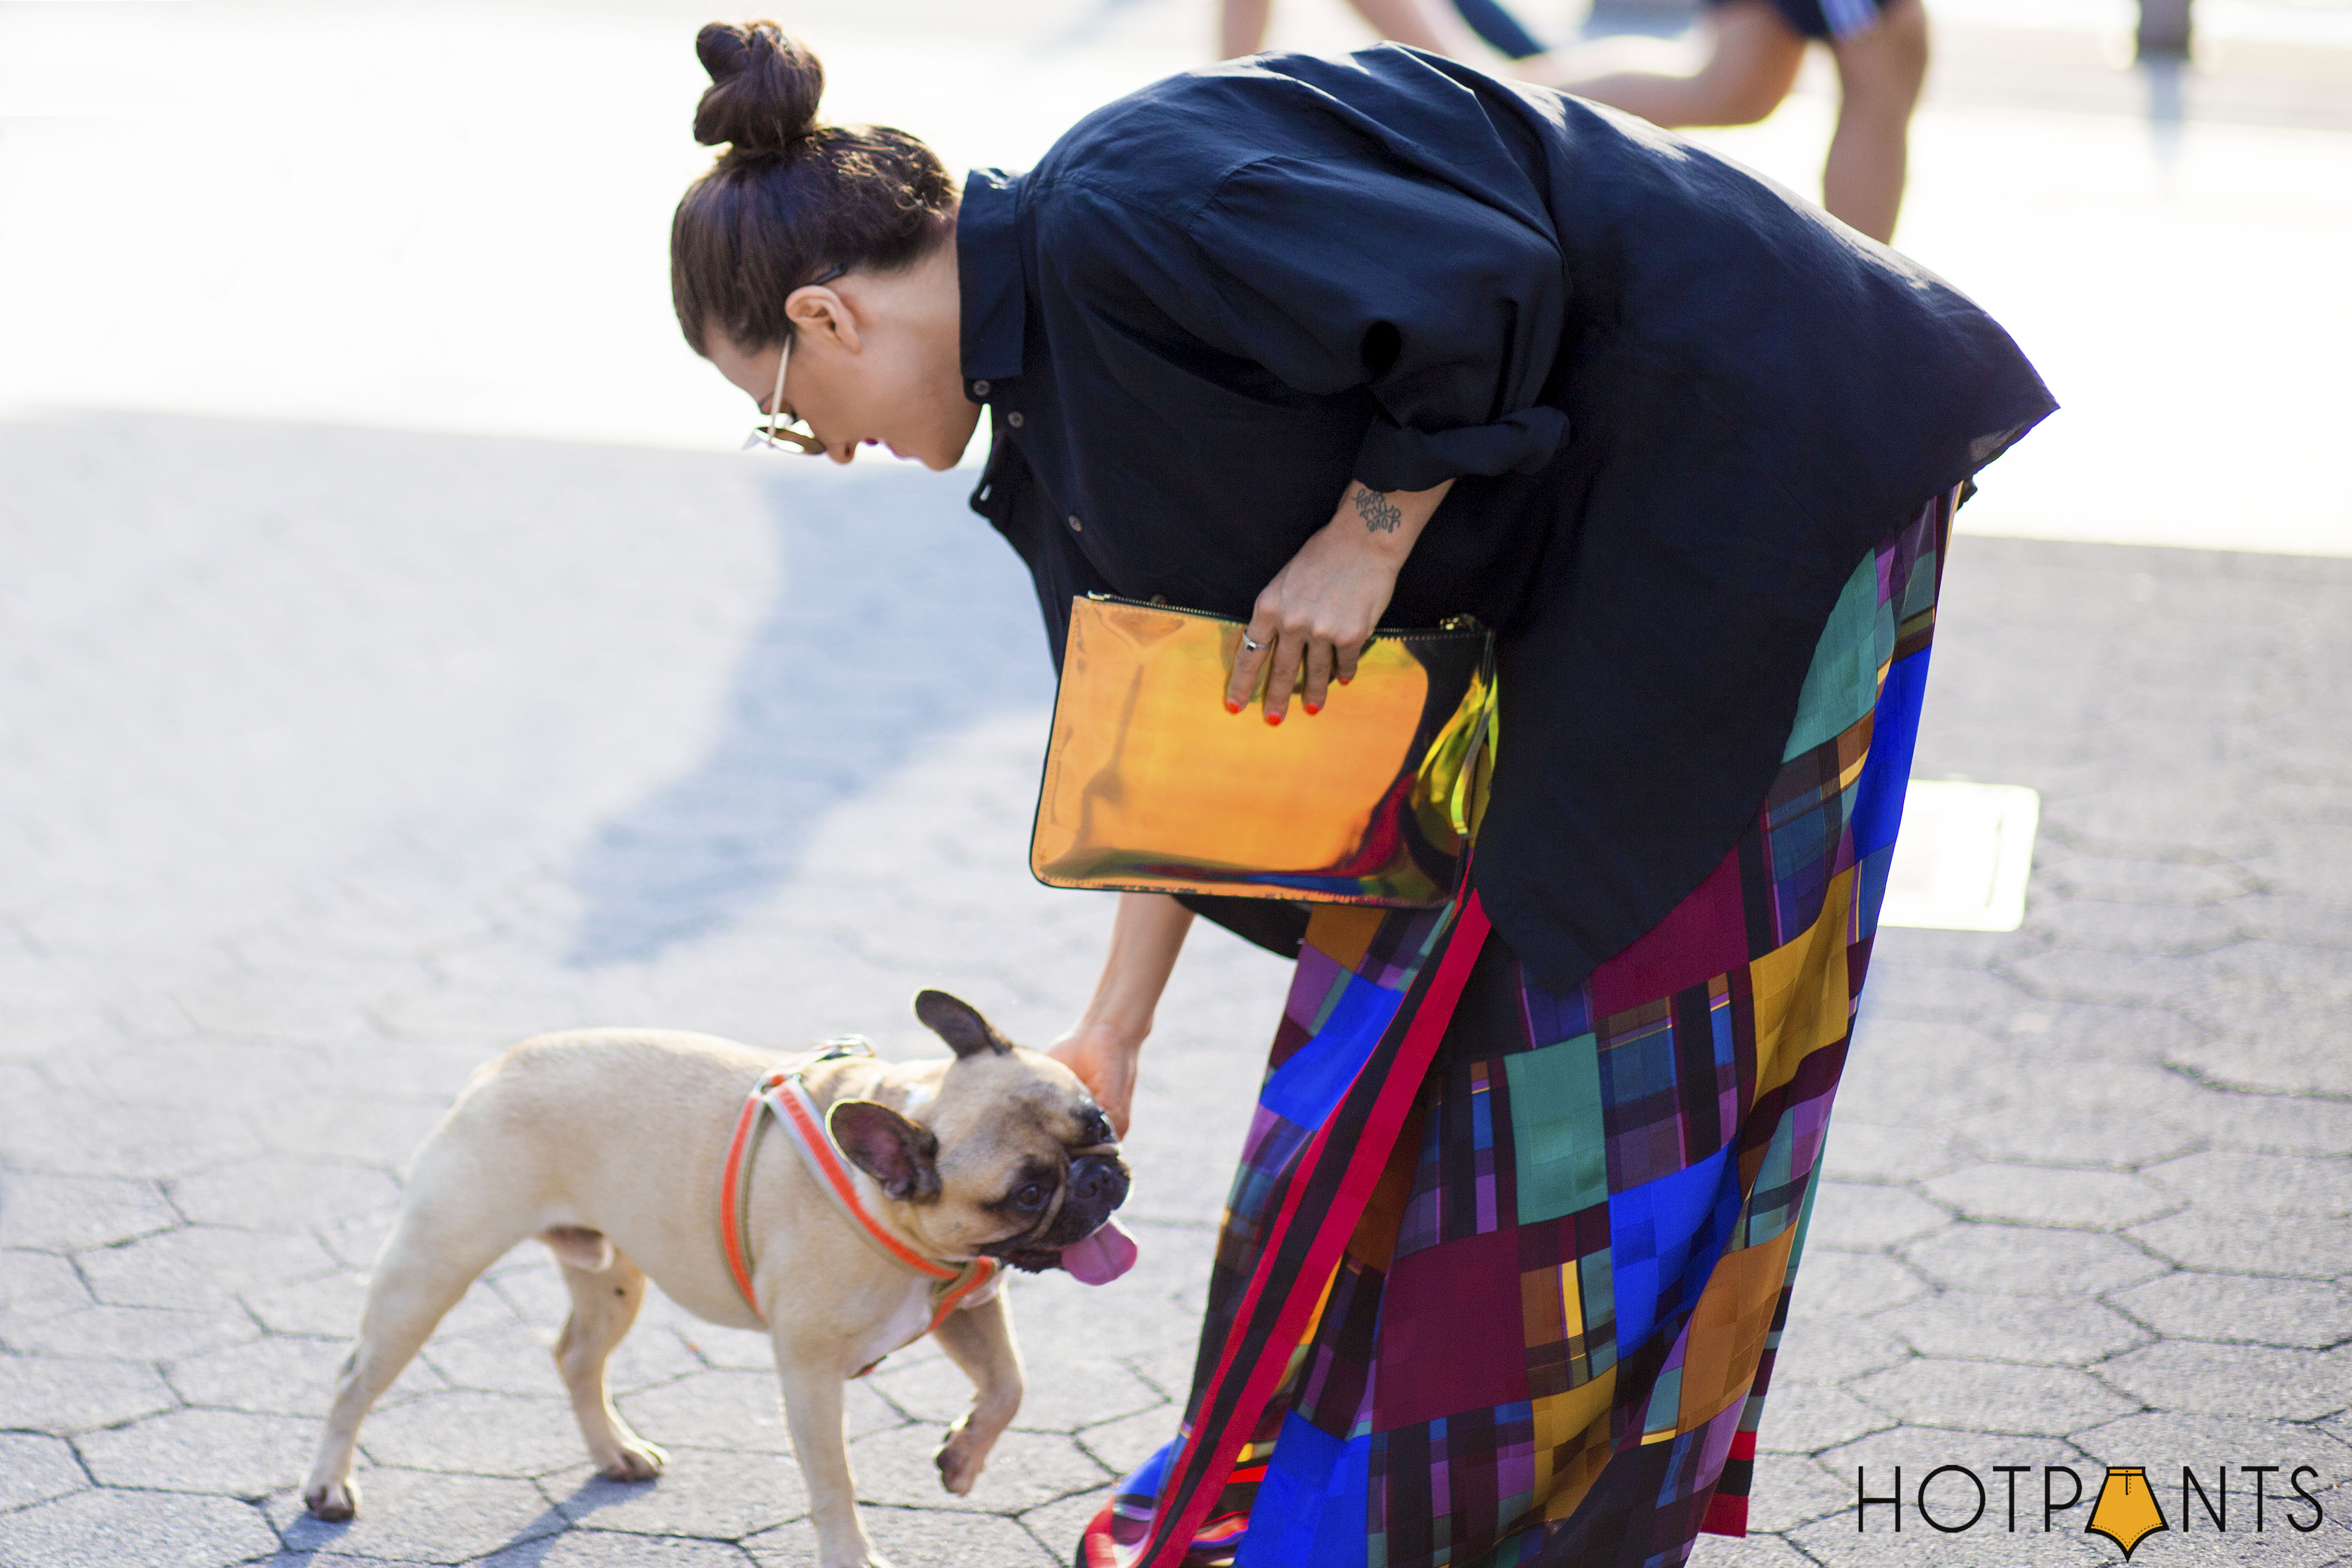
1449,624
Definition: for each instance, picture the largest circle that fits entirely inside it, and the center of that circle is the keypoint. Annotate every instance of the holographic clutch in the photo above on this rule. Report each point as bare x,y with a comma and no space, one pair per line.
1151,787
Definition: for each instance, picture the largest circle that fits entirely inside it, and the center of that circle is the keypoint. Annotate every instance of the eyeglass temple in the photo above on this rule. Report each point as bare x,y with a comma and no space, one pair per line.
776,398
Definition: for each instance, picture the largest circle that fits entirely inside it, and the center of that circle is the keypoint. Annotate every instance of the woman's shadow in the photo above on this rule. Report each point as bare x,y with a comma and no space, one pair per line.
900,619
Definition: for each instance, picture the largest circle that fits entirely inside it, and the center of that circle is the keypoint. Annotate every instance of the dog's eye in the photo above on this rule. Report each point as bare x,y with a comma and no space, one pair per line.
1032,1196
1098,1129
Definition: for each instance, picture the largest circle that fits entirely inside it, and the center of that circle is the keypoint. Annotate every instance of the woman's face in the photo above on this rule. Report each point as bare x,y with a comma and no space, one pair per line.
875,362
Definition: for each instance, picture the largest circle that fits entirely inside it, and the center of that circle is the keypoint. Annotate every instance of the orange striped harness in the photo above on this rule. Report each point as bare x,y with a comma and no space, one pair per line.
783,1094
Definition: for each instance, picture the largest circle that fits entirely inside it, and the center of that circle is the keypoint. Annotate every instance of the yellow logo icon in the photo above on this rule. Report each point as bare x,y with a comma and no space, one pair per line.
2126,1512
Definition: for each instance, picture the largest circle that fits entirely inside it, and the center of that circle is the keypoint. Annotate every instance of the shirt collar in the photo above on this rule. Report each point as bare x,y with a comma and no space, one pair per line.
988,276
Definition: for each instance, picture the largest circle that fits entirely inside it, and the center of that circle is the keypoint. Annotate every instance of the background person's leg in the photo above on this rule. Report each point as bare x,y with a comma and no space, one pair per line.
1423,23
1241,27
1880,71
1751,63
1504,32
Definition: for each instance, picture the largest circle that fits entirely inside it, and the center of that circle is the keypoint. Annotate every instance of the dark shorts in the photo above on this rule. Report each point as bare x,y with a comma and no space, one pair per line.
1827,18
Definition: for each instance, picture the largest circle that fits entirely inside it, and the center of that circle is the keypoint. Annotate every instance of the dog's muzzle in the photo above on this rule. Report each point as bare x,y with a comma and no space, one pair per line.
1097,1185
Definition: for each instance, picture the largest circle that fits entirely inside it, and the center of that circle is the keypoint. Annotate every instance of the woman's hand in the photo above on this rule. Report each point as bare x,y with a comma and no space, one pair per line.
1105,1059
1322,608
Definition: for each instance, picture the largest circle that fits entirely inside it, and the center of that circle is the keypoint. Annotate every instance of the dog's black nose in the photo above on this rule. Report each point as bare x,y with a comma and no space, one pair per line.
1098,1184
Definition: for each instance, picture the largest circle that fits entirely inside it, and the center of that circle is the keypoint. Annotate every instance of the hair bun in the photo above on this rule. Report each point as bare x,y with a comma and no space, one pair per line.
764,88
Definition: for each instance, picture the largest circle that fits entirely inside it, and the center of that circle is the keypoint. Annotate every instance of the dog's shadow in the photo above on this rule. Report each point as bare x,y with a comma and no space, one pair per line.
901,617
530,1545
306,1537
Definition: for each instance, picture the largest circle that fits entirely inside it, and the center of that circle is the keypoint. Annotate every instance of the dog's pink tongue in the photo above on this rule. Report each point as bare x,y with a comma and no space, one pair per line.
1102,1256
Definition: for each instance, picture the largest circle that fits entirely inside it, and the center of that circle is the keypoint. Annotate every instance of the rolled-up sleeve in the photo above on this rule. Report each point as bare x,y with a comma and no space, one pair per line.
1335,276
1450,309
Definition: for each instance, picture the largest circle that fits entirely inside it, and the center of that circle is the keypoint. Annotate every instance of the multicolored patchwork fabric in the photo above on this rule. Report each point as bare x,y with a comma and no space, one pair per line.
1502,1271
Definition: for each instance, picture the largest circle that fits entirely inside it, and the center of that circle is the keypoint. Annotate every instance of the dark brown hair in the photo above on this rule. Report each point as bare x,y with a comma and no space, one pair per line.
788,199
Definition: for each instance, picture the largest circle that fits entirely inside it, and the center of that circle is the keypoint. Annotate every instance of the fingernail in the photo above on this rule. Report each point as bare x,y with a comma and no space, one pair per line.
1273,718
1313,708
1232,706
1345,678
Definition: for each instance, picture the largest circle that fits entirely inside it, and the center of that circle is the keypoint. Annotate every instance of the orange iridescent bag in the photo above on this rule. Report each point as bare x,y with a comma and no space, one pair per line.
1151,787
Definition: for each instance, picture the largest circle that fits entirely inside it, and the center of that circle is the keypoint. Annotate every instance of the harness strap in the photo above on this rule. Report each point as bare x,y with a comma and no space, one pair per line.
783,1095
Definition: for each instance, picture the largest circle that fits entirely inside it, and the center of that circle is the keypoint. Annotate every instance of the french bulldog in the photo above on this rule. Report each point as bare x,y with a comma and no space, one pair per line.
608,1145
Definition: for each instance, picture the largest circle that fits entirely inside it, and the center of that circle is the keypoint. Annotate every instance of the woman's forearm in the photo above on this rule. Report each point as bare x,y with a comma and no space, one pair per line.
1317,614
1391,521
1104,1045
1145,938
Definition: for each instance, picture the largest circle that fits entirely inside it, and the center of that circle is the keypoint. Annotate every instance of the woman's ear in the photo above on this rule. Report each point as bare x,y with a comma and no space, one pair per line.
817,312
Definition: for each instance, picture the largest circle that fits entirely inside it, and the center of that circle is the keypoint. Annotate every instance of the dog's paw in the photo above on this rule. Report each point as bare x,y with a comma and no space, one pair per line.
961,1457
335,1502
635,1460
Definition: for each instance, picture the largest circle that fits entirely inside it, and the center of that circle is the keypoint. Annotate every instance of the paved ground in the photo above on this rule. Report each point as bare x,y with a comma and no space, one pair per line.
319,790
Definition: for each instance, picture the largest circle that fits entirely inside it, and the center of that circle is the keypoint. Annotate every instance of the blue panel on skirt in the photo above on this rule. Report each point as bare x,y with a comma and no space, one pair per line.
1873,868
1304,1088
1878,798
1309,1511
1152,1474
1654,1230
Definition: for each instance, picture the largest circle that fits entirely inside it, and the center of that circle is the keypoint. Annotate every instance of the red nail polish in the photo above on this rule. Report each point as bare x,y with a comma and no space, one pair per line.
1345,678
1232,706
1313,708
1273,718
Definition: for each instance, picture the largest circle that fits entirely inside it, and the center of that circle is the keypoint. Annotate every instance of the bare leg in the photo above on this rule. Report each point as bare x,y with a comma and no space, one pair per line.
812,1410
422,1271
1102,1046
1241,27
605,1304
1880,72
1429,25
1424,23
980,1340
1750,65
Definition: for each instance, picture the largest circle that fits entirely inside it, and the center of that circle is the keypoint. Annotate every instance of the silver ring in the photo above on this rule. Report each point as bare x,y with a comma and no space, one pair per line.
1254,645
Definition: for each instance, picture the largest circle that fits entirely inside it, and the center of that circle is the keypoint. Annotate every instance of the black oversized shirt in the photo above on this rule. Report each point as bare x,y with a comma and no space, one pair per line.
1679,406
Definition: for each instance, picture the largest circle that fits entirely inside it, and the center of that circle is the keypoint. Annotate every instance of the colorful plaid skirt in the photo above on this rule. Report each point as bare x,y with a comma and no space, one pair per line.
1504,1269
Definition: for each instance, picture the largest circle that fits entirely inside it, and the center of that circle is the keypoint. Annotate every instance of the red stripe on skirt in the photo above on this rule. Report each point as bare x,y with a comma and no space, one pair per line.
1365,1164
1726,1515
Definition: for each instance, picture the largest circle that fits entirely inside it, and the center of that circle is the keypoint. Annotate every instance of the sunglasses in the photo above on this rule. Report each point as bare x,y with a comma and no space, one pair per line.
776,432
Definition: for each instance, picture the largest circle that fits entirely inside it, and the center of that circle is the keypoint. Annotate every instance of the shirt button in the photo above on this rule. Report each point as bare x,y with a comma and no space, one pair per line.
1076,526
1013,419
979,388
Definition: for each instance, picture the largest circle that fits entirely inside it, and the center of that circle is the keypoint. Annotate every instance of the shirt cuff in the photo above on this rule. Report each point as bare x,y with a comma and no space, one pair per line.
1399,457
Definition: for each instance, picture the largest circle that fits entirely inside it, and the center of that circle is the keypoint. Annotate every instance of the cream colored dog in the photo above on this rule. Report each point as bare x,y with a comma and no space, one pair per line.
608,1145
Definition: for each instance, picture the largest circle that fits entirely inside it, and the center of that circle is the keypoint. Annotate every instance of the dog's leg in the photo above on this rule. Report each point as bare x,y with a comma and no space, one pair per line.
812,1410
605,1303
979,1339
423,1270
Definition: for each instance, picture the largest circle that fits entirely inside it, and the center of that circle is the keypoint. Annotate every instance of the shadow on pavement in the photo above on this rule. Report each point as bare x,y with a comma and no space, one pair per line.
901,618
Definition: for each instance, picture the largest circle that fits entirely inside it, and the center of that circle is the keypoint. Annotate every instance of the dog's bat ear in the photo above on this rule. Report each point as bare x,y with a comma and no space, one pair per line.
957,1022
895,1152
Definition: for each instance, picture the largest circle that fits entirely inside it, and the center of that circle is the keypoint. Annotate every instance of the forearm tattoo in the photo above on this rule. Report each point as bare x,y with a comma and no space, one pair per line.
1380,514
